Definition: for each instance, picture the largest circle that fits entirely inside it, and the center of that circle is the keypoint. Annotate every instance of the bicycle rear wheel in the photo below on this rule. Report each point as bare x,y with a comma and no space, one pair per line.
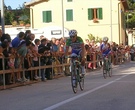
74,81
81,79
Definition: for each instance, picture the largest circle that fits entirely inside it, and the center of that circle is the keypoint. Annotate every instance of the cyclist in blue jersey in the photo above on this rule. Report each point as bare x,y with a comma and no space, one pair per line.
77,46
105,47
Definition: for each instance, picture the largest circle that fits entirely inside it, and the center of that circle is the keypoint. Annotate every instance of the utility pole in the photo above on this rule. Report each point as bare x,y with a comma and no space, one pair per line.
2,16
111,18
62,8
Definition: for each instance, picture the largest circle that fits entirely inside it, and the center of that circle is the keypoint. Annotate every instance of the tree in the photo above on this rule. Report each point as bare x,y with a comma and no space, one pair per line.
130,15
9,17
13,15
25,16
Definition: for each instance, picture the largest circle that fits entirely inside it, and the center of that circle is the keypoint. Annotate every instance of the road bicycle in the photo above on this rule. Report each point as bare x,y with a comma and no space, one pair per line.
76,73
107,67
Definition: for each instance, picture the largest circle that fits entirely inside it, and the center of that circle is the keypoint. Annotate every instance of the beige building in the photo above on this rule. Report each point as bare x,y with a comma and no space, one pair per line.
97,17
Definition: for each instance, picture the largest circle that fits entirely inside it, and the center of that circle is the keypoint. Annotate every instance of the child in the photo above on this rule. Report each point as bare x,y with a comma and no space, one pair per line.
11,65
36,55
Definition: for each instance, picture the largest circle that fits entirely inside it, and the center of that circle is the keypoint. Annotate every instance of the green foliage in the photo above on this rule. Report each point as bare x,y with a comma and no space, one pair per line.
9,17
14,23
130,15
92,37
131,4
25,12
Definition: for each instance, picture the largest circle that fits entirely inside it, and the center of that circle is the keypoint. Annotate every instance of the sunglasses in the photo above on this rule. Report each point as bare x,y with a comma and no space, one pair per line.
72,37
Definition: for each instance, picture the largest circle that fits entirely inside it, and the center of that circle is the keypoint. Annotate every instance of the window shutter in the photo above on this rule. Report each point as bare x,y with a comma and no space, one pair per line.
69,0
44,16
69,15
49,16
99,13
90,14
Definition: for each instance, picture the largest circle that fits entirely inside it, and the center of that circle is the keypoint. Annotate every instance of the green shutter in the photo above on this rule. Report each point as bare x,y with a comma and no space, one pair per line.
47,16
99,13
69,0
44,16
69,15
90,14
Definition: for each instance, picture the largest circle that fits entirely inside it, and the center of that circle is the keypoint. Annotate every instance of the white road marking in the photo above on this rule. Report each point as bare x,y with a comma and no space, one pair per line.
83,94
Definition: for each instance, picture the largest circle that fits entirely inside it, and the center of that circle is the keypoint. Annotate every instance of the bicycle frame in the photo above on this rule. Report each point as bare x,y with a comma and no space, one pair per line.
107,66
76,73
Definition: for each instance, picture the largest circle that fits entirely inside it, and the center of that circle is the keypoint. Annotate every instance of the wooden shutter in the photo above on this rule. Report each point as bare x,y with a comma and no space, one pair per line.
69,0
69,15
90,13
44,16
47,16
99,13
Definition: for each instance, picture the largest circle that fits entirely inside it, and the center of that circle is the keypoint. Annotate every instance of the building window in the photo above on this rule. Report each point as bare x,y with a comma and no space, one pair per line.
95,13
47,16
69,0
69,15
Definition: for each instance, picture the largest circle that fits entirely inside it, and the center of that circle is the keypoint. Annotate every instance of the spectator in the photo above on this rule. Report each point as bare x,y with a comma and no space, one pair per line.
22,51
30,37
127,53
15,42
1,66
42,37
55,52
42,48
27,33
11,64
36,59
5,45
132,53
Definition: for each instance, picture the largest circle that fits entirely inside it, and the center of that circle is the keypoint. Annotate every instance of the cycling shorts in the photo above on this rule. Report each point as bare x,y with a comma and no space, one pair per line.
78,52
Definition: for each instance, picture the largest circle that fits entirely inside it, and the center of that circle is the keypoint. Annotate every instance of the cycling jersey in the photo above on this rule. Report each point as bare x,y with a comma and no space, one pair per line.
105,49
76,46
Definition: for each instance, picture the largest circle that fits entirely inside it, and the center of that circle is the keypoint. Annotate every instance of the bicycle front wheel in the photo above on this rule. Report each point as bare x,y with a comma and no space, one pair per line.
110,71
74,81
104,71
81,78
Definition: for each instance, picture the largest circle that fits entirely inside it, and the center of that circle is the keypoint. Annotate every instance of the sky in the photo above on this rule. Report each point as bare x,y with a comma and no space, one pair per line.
15,3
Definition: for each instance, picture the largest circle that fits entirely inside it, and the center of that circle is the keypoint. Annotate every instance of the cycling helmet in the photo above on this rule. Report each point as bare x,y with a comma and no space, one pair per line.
105,38
72,32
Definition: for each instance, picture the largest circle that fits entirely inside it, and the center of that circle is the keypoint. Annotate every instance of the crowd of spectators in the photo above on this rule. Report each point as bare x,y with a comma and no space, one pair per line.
24,51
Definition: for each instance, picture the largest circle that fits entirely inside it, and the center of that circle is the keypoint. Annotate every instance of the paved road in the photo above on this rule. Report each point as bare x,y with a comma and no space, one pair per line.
115,93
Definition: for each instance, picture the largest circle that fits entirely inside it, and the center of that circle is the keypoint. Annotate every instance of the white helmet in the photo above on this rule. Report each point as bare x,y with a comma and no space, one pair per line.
105,39
72,32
